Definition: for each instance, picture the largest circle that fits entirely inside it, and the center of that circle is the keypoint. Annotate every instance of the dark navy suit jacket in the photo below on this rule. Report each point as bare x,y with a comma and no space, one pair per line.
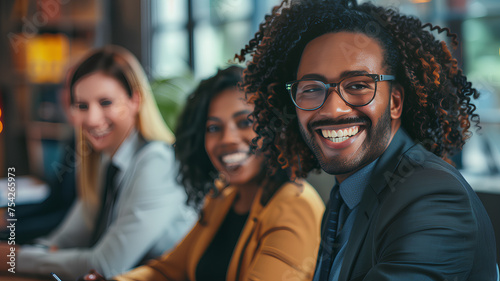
419,220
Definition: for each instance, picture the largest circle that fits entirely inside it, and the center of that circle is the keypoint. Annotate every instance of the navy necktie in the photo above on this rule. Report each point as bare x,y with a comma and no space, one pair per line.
109,196
330,244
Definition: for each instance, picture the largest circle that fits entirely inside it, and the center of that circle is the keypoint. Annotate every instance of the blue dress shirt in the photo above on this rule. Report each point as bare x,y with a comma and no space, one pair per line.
351,190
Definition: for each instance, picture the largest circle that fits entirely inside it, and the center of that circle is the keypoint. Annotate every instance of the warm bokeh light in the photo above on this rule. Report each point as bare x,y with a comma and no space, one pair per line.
46,57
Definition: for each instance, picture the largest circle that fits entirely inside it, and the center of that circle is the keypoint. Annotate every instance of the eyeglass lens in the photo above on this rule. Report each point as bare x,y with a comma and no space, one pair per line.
356,90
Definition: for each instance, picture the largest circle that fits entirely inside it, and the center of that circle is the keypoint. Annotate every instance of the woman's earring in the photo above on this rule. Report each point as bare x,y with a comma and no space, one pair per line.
221,181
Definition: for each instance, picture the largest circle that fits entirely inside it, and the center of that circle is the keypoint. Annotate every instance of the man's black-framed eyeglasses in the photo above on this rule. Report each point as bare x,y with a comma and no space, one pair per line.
359,90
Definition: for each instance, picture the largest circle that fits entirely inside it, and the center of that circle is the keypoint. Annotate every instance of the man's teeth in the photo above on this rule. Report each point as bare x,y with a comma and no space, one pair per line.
233,158
340,135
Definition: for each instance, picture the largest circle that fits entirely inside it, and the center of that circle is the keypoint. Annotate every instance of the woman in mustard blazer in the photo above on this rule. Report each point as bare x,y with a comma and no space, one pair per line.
254,224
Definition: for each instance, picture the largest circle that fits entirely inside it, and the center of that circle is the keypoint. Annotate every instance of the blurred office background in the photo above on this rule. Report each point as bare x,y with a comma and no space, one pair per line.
180,42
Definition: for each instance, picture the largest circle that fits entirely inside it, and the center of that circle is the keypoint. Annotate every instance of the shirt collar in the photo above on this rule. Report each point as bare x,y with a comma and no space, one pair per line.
352,188
121,158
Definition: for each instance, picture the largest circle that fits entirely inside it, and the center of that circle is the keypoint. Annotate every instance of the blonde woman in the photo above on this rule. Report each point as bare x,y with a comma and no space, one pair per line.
130,207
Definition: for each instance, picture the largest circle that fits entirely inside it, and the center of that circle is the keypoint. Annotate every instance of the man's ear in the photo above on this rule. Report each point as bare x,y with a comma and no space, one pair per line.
397,98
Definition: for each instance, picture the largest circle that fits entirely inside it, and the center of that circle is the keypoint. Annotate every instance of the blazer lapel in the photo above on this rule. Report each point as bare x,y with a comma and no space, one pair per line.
233,272
214,216
380,178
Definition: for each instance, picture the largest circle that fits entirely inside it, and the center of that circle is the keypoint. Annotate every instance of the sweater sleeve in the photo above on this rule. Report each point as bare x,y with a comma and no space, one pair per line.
73,232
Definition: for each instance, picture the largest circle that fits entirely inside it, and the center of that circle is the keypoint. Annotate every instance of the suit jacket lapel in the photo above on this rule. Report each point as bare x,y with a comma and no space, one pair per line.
366,209
380,178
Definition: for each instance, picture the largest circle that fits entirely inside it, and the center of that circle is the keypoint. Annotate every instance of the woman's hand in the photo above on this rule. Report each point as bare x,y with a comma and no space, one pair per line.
93,276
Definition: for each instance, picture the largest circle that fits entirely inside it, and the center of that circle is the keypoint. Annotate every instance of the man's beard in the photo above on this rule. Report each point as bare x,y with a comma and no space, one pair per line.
374,145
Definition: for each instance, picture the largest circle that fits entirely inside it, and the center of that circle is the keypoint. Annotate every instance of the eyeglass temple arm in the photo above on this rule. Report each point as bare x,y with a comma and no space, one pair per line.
386,77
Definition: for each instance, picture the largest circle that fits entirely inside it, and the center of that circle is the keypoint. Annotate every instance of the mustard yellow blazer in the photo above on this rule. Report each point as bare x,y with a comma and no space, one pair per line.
278,242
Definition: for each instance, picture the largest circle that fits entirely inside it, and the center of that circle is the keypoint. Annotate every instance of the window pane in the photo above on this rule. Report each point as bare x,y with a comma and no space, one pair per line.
170,12
216,47
170,53
229,10
208,44
236,35
201,10
482,56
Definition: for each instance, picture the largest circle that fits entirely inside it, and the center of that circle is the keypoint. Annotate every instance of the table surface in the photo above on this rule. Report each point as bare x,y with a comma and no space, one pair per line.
27,190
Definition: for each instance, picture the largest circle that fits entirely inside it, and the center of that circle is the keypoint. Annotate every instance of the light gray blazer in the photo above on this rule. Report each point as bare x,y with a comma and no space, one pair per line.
149,217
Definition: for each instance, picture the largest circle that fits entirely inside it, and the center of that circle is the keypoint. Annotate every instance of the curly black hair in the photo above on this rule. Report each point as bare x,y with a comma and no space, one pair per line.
437,103
196,172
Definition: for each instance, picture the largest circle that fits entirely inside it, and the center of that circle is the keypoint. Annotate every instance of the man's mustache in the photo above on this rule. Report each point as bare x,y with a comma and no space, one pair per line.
342,121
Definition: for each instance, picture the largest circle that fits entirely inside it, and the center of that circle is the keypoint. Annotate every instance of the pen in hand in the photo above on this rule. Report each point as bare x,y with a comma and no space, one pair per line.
55,276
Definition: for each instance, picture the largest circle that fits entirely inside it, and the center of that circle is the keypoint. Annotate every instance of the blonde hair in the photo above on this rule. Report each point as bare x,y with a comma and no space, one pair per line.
120,64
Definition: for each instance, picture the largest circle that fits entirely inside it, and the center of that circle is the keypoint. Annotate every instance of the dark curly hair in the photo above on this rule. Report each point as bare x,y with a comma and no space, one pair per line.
437,102
196,172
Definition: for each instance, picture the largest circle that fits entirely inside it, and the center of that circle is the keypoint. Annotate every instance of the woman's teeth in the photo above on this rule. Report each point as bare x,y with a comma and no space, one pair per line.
340,135
99,134
234,158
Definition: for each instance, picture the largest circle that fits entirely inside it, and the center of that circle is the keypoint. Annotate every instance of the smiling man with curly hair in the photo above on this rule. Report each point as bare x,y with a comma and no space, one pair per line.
371,96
